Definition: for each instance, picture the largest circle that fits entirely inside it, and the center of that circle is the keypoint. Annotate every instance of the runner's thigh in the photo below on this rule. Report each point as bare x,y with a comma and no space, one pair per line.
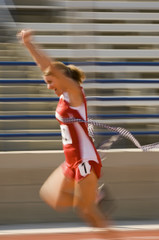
57,184
86,190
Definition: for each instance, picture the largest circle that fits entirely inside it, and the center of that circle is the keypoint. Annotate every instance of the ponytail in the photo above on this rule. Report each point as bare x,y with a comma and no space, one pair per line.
70,71
76,73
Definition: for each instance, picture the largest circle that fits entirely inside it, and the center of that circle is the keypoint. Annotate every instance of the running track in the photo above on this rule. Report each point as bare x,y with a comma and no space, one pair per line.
82,233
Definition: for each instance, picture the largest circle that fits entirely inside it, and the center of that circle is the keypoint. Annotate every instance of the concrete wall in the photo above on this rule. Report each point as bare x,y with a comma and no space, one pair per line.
132,176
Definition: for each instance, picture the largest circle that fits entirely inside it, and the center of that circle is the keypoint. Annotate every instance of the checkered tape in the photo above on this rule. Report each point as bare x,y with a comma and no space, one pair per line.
121,131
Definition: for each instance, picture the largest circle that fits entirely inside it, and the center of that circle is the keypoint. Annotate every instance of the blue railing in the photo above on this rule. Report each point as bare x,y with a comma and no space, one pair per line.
90,81
99,116
90,63
29,99
23,81
92,116
92,98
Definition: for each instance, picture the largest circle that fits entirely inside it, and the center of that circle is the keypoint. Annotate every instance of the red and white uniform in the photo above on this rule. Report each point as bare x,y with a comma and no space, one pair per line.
79,150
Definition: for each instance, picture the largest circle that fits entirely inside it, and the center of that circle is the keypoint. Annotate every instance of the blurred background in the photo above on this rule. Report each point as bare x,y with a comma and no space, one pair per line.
116,44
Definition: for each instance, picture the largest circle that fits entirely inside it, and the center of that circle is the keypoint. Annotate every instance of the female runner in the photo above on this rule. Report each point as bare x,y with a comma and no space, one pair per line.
75,182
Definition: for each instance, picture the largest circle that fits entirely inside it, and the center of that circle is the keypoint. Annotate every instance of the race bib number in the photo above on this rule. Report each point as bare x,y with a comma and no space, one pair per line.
84,169
66,136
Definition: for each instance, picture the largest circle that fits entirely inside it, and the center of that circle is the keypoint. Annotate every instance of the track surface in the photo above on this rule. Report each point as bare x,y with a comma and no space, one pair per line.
129,235
81,234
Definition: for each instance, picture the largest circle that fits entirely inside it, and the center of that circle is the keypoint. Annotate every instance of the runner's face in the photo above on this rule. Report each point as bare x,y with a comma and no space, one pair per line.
52,84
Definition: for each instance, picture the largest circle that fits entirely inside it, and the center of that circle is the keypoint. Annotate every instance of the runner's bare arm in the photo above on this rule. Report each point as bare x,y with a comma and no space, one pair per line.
42,60
45,63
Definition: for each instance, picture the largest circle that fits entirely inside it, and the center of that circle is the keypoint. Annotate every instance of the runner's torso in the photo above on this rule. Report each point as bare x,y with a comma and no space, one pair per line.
77,145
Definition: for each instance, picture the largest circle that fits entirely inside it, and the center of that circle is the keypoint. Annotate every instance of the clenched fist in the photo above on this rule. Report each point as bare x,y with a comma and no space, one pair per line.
25,36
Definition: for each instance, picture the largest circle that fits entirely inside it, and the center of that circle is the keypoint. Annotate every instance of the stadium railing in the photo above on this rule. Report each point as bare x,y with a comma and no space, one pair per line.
92,100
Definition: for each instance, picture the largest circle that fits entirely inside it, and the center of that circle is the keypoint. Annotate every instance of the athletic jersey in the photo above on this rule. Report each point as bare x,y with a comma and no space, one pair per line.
77,144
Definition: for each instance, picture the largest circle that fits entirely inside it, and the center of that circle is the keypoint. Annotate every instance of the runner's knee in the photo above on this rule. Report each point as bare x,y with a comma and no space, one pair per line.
85,211
49,199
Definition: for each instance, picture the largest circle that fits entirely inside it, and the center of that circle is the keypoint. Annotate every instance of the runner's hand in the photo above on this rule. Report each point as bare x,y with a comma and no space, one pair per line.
25,36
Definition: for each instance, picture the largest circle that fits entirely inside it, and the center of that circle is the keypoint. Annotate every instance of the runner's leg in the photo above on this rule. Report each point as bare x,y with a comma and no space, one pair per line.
57,190
84,201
